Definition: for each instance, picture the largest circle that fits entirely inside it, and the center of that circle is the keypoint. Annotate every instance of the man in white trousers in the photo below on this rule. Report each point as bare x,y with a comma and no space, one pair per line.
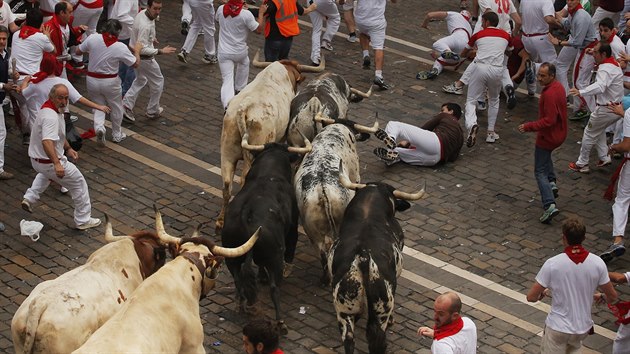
86,12
202,19
621,343
5,88
537,16
125,12
326,11
103,84
49,151
148,70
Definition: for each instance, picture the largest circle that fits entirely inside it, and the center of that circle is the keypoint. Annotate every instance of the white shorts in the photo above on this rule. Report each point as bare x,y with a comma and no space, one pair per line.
376,32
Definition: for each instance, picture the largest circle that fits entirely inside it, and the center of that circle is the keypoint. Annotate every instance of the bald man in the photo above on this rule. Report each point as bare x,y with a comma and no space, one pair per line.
452,333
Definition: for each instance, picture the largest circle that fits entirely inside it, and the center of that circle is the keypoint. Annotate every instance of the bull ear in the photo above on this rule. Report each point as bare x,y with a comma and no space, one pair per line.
362,136
354,98
401,205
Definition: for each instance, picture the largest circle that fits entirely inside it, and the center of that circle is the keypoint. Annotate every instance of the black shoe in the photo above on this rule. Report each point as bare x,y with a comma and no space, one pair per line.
388,156
378,81
366,62
511,98
26,139
384,137
472,136
185,28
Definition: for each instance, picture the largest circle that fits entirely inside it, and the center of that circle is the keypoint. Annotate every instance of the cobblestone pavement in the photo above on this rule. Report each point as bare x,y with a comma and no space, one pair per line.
477,232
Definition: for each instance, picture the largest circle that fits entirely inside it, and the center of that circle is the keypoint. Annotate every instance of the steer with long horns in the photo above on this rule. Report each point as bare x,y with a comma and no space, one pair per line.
260,110
265,200
61,314
162,315
366,260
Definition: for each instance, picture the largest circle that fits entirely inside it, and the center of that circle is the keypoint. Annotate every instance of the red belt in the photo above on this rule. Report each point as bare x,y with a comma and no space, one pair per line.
93,5
533,34
101,75
42,160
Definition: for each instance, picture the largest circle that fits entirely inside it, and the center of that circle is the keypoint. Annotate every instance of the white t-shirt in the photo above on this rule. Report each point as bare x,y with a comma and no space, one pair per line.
234,31
49,125
491,44
455,20
104,59
370,12
30,51
143,31
533,14
6,16
125,12
503,8
572,287
37,94
462,342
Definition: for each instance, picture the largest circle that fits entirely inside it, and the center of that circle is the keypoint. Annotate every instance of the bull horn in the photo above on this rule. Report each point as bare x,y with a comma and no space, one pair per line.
164,237
320,118
343,179
109,233
366,129
314,69
259,64
410,196
361,93
301,150
197,230
245,145
238,251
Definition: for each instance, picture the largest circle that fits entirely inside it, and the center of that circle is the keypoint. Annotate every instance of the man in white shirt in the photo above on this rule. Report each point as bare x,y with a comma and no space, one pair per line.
149,70
621,343
125,12
326,11
86,12
452,333
571,279
537,15
48,150
7,18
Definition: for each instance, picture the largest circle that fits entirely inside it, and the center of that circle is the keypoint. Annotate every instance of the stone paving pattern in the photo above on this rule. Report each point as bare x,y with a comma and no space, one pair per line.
481,213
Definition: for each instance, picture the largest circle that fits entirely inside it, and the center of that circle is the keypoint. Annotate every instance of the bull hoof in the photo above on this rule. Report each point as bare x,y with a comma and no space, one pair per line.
390,321
288,268
253,310
282,328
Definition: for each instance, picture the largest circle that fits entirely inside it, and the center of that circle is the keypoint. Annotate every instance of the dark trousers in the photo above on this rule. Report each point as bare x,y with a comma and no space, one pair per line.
277,49
126,73
544,173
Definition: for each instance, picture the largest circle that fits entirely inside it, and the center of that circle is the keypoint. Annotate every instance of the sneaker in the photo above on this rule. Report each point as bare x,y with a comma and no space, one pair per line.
492,137
472,136
27,206
614,250
93,222
155,115
210,59
390,157
74,118
605,162
530,92
26,139
185,28
4,175
425,75
530,75
511,98
366,62
384,137
481,105
100,137
352,37
118,139
577,168
554,189
453,88
63,190
549,214
128,114
183,56
447,54
580,114
326,45
378,81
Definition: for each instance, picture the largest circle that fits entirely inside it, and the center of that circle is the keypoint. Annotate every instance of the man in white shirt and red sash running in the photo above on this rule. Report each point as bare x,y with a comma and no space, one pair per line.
571,278
621,343
452,332
86,12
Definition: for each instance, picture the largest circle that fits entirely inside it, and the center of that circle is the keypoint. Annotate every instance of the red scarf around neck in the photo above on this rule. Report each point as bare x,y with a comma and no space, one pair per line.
27,31
277,351
46,68
49,104
579,6
620,310
610,60
576,253
109,39
613,33
232,8
448,330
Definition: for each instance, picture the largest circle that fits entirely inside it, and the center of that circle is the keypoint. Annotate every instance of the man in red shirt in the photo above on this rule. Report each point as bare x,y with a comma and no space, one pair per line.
551,128
261,337
63,35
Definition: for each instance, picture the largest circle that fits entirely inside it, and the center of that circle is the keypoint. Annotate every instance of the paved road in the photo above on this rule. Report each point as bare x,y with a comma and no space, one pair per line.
477,232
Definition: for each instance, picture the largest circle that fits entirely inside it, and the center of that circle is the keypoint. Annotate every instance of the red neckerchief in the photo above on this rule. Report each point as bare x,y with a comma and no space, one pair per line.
620,310
610,60
27,31
579,6
49,104
448,330
46,68
109,39
576,253
277,351
612,36
232,8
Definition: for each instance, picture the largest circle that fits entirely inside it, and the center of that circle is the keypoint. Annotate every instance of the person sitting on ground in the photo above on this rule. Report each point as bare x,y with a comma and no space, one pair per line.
261,337
438,140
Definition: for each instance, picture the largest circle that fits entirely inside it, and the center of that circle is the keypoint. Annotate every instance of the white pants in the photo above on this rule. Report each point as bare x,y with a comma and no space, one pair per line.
540,49
621,344
563,62
186,13
601,14
232,82
73,180
622,21
3,137
582,73
595,134
147,72
107,92
622,202
202,18
326,11
454,43
88,17
427,145
483,76
376,32
554,342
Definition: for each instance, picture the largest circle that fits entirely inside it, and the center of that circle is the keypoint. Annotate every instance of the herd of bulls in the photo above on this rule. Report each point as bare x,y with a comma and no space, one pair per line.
109,304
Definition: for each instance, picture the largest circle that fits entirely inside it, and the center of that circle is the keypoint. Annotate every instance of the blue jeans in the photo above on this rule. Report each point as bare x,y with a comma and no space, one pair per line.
543,171
126,73
277,49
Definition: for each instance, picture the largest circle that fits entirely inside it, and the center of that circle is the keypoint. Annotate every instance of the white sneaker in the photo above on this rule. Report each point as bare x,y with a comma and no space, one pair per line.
492,137
118,139
128,114
155,115
93,222
100,137
63,190
481,105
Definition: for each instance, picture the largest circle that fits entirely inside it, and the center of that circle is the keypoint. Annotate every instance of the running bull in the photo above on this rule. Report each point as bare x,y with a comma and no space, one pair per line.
261,110
321,199
265,200
329,94
162,315
60,314
367,259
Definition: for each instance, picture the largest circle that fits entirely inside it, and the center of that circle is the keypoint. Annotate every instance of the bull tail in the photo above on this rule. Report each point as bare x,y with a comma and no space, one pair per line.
248,279
374,292
241,121
35,310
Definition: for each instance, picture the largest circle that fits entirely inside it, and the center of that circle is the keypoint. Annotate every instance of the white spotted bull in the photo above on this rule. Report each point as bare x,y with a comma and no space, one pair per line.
366,261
